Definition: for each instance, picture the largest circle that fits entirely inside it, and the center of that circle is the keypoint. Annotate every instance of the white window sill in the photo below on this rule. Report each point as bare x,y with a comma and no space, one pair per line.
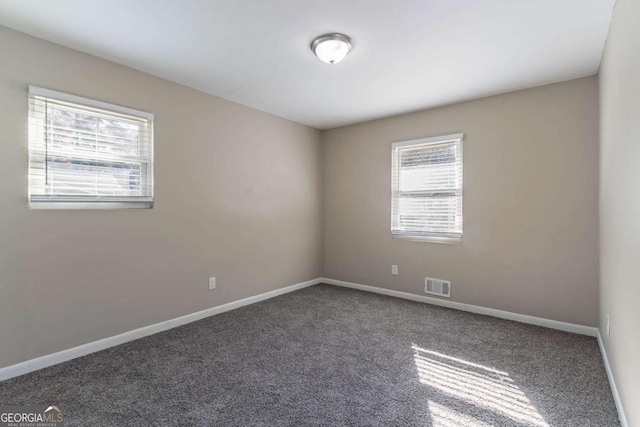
428,239
89,205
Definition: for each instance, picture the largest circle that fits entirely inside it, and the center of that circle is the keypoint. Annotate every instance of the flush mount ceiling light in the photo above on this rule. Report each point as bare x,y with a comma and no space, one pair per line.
331,48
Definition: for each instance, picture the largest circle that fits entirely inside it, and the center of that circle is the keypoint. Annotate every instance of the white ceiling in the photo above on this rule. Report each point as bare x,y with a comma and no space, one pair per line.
408,54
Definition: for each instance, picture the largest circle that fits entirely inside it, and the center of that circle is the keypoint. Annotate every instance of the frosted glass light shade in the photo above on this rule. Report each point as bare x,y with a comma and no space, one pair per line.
331,48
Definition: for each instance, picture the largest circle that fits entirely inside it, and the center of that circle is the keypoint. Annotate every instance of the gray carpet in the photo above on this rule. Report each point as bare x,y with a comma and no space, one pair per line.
327,356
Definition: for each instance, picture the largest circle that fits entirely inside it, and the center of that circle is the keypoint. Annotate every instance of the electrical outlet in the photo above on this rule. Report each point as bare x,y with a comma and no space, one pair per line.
608,326
394,270
212,282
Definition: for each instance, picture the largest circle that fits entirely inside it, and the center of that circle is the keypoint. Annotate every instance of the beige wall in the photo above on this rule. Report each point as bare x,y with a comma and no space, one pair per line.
238,196
620,203
530,203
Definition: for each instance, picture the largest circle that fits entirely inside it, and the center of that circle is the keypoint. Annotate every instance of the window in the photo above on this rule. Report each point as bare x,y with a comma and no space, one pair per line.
88,154
427,189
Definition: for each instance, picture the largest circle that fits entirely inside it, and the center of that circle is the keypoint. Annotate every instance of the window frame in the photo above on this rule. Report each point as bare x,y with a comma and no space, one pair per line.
37,201
435,237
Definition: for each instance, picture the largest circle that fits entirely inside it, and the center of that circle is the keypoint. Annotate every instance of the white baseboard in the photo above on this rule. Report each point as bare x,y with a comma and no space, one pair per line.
82,350
547,323
612,383
92,347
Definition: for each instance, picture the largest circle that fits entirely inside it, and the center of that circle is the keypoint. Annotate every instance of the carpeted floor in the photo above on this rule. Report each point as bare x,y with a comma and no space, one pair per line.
328,356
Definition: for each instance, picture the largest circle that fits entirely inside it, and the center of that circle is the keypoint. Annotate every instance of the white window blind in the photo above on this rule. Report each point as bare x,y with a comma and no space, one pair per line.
88,154
427,189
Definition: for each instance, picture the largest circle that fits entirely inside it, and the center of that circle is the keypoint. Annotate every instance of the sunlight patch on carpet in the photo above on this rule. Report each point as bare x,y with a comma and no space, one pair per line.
483,387
444,416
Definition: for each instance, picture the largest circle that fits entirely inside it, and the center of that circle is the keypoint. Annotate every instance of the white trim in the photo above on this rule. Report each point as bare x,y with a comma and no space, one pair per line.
61,96
425,239
85,199
82,350
40,205
523,318
92,347
612,383
433,140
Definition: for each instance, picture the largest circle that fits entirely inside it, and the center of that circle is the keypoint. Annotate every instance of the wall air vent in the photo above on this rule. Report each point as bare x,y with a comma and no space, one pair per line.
438,287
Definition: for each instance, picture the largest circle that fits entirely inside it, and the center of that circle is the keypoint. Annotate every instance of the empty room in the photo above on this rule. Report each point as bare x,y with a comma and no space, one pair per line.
320,213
